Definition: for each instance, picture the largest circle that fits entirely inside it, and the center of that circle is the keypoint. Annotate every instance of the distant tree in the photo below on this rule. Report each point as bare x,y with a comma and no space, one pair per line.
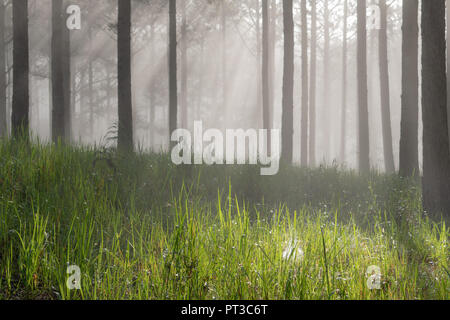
173,95
409,136
3,122
184,66
436,150
20,99
363,141
266,75
344,84
313,86
288,82
67,77
125,129
57,68
305,99
385,90
326,78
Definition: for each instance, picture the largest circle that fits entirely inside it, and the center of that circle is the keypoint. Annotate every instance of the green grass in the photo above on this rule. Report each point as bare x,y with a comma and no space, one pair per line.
142,228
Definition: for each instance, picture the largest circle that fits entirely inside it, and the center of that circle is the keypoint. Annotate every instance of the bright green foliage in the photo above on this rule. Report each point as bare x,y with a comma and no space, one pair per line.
141,228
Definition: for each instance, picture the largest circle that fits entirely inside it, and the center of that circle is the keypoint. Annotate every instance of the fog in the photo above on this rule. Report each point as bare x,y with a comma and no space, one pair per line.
222,97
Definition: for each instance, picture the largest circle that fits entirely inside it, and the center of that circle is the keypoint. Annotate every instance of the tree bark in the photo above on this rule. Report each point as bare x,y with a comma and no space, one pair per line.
436,152
3,122
20,99
58,94
125,130
385,90
313,86
267,106
288,83
183,71
305,99
344,85
326,81
67,78
363,141
173,94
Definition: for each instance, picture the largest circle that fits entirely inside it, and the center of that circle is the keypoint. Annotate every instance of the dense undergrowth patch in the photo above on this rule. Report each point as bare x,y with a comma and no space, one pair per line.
141,228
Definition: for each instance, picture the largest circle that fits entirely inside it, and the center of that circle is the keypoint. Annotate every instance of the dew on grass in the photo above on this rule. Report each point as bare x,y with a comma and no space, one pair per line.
293,251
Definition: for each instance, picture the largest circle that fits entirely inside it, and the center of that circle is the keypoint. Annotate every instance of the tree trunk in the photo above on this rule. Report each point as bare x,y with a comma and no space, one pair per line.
305,99
224,57
265,70
3,124
344,85
385,90
259,92
363,141
58,94
313,86
125,133
67,78
326,82
436,154
183,61
288,82
173,95
20,99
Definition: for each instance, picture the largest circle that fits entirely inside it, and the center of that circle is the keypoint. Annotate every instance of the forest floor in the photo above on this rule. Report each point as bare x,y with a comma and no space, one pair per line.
139,227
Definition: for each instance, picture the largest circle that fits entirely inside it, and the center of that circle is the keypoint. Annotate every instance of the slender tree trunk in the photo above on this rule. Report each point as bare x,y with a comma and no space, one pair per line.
91,85
265,70
151,130
288,83
3,122
363,141
259,92
448,61
409,136
385,91
305,98
125,134
344,85
58,94
272,59
183,71
173,96
436,151
20,99
313,86
224,57
67,78
326,81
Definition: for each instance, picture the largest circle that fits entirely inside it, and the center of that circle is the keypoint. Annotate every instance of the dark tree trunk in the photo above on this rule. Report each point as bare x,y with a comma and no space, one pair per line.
91,85
20,99
305,99
183,71
363,141
58,94
448,61
3,122
67,78
436,154
173,95
288,83
125,133
313,86
385,90
267,106
344,85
